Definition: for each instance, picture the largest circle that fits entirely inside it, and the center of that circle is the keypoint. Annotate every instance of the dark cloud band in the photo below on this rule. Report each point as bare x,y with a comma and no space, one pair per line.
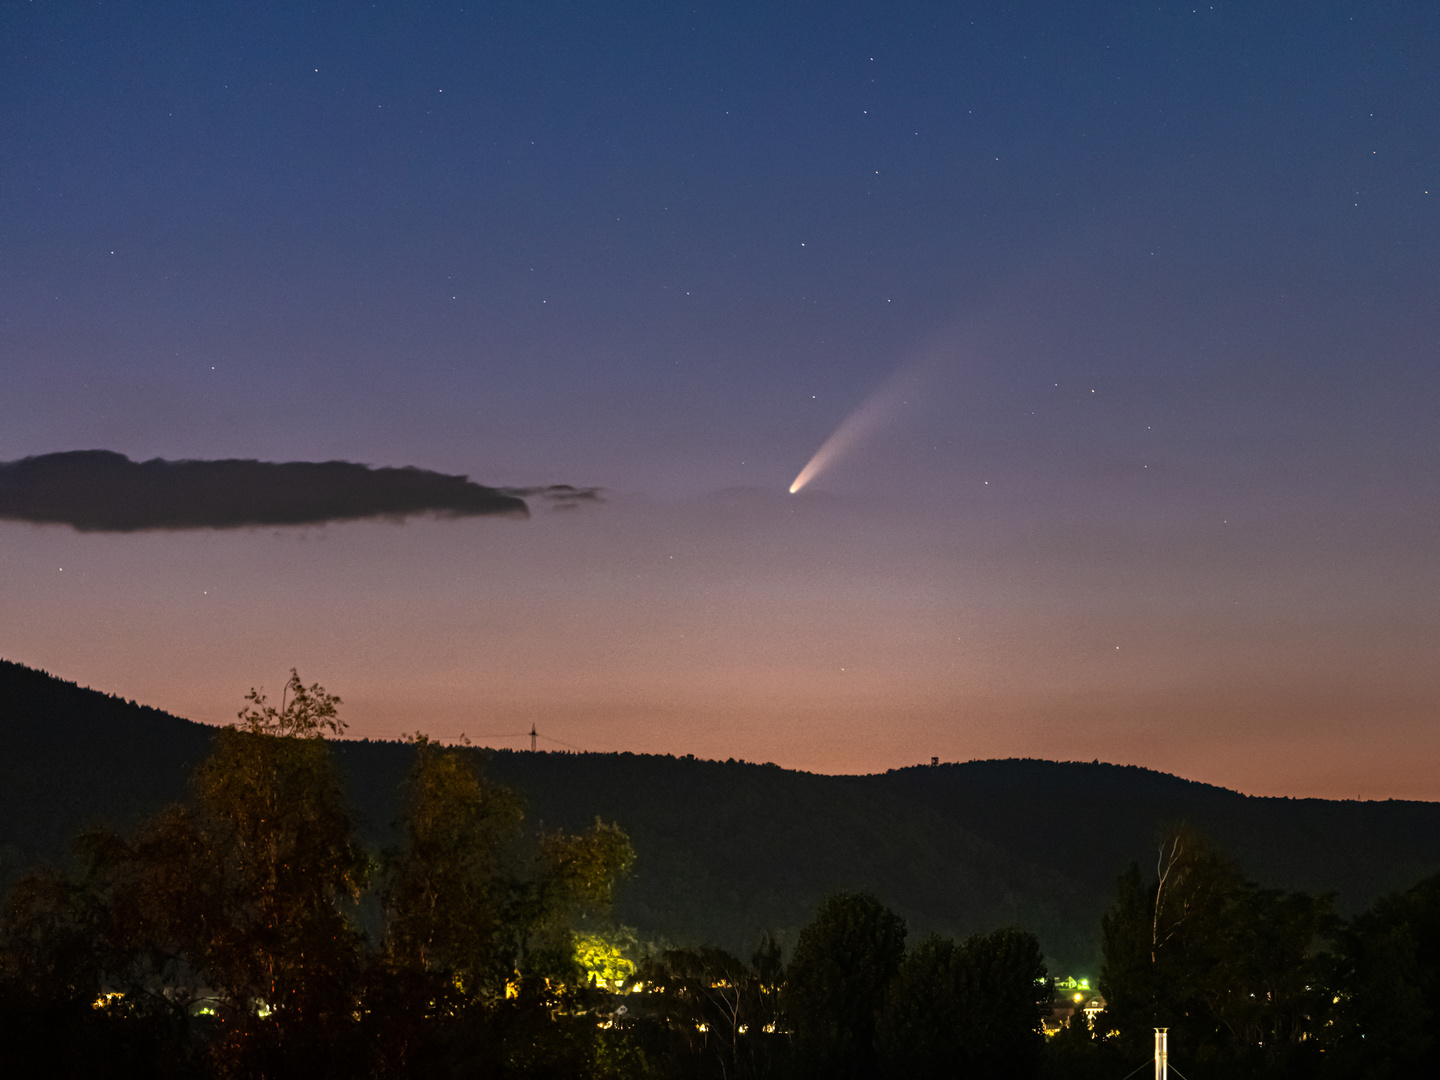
102,491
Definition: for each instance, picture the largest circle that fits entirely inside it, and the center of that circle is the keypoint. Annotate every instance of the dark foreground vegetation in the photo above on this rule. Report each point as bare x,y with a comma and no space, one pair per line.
248,930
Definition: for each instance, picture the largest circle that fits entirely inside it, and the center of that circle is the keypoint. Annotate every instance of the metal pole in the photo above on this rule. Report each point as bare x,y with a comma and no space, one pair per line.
532,738
1162,1053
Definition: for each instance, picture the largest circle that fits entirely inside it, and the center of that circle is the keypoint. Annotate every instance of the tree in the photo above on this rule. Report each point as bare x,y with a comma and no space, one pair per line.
1387,978
282,873
719,1015
922,1028
1010,992
69,1003
478,964
969,1009
572,875
1235,971
1163,939
460,895
843,963
449,891
231,912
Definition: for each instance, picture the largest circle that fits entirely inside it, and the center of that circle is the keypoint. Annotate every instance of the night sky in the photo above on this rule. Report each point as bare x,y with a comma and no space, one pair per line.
1137,304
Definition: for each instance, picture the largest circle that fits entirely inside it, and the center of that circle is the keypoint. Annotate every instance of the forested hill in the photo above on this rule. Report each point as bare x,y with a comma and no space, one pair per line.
70,757
727,849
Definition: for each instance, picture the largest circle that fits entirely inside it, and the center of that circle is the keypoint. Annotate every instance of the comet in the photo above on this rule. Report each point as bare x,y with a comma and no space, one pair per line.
875,412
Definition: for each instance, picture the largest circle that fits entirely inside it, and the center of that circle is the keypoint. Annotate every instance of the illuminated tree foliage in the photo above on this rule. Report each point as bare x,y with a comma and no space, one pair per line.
607,959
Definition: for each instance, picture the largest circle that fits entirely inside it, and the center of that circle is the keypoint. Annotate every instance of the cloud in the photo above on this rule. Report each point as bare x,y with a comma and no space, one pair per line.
102,491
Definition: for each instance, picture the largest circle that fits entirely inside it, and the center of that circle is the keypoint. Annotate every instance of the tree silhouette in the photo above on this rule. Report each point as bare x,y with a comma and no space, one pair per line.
843,963
966,1009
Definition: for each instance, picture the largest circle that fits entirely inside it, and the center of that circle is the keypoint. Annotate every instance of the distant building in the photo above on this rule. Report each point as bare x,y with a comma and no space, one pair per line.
1071,994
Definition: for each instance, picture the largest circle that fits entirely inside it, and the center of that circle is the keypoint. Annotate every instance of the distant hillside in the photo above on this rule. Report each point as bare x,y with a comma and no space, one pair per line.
72,757
727,849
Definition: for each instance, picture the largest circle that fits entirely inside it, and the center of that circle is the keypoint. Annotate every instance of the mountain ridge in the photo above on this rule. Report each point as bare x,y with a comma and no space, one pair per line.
728,849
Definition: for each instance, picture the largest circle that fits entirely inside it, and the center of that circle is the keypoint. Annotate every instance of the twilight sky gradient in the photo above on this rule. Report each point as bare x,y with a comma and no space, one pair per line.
1156,282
